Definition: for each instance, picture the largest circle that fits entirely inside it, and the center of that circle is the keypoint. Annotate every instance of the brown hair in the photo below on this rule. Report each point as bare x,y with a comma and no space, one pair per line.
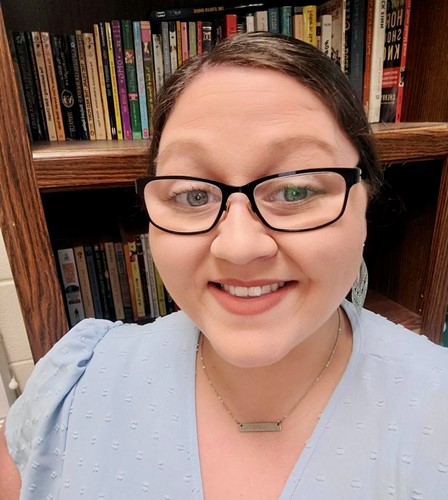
303,62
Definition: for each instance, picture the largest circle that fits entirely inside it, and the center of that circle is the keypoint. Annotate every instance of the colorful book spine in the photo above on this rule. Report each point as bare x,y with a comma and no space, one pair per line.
131,78
121,79
347,36
102,82
172,42
70,282
85,84
397,33
94,86
206,36
337,10
261,20
44,86
179,44
297,23
74,62
148,66
139,65
165,32
184,40
143,275
113,80
124,281
192,39
201,11
273,20
53,85
127,260
230,25
93,279
309,24
84,281
160,293
136,278
286,20
158,62
28,85
114,278
199,36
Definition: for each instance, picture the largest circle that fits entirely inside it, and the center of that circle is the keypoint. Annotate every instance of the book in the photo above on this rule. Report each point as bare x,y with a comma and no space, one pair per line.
376,61
160,293
131,78
44,86
172,45
121,79
309,24
66,86
143,274
297,23
29,86
136,277
347,36
192,39
357,42
199,36
113,80
112,270
286,20
273,20
201,11
71,287
325,34
124,281
394,65
250,23
148,66
167,40
102,81
104,287
94,86
150,275
139,66
85,84
75,70
337,10
179,45
94,286
261,20
206,36
184,40
230,25
84,281
127,260
158,62
53,85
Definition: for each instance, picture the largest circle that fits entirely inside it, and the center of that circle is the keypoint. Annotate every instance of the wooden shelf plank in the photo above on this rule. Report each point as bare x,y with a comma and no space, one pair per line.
393,311
84,164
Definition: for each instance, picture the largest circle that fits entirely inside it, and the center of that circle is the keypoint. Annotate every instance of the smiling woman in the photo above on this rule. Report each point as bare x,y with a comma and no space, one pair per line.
268,384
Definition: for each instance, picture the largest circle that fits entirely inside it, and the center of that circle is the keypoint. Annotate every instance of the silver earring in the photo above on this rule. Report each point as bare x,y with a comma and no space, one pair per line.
359,288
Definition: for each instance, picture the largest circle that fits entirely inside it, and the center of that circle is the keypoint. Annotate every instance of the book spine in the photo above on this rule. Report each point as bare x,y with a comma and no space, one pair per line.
230,22
66,86
370,10
179,44
124,281
184,40
103,283
273,20
357,42
94,286
286,20
131,79
101,80
72,292
325,34
113,80
347,36
206,36
297,25
192,39
404,51
148,66
28,85
250,23
150,277
44,86
165,32
84,281
158,61
199,36
376,66
83,130
143,275
136,278
127,260
172,40
337,10
35,74
309,24
53,85
85,84
139,65
261,20
114,278
121,79
94,86
160,293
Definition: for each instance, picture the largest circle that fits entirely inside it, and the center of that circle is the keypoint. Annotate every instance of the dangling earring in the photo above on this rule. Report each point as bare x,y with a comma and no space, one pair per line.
359,288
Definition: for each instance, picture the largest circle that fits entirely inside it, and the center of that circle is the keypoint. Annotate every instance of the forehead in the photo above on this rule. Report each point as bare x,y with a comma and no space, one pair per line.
250,116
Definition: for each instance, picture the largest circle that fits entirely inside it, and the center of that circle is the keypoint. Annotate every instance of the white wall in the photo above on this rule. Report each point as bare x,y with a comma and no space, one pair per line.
12,328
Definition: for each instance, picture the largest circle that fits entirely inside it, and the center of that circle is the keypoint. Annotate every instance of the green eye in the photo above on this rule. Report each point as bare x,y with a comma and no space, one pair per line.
294,193
197,198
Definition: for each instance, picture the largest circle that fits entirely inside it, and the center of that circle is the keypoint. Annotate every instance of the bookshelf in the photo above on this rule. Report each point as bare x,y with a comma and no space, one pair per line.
409,271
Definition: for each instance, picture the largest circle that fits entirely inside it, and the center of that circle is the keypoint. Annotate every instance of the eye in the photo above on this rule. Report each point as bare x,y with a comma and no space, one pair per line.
194,196
292,193
197,198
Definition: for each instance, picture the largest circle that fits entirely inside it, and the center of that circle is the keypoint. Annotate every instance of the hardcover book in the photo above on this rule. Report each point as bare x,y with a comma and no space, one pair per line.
337,10
113,80
90,261
71,287
85,84
309,24
148,66
84,281
139,65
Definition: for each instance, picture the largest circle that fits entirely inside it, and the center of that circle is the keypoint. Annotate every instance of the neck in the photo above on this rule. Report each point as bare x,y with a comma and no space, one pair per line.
267,393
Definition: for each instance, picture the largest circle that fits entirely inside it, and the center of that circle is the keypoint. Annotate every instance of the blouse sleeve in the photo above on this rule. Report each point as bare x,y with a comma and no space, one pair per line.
36,423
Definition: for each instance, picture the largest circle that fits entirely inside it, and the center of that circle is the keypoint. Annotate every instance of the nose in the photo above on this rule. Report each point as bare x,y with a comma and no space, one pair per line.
240,236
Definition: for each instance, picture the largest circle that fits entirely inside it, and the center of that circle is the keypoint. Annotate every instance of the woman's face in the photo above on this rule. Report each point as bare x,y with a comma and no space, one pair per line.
235,125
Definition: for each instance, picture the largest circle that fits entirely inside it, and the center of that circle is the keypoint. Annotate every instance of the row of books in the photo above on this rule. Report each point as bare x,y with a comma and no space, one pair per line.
113,280
102,84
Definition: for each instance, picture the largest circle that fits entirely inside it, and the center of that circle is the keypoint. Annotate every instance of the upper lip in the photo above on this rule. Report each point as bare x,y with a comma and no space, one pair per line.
248,284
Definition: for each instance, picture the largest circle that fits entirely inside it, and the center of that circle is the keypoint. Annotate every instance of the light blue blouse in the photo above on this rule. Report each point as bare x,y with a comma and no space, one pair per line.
109,413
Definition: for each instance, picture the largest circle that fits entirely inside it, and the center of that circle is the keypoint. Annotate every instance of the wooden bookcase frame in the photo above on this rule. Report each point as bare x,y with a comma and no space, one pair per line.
25,172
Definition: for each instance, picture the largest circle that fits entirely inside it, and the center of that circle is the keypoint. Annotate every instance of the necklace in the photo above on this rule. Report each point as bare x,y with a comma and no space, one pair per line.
277,425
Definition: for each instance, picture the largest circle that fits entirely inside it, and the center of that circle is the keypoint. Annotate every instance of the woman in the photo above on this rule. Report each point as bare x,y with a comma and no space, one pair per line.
268,384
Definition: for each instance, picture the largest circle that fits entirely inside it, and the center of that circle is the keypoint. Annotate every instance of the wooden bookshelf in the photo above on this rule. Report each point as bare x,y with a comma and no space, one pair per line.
417,295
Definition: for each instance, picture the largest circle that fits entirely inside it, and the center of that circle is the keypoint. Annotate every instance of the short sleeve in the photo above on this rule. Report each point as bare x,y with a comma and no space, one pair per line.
36,423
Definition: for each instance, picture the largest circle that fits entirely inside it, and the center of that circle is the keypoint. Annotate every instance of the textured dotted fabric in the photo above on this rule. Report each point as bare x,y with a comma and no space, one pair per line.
109,413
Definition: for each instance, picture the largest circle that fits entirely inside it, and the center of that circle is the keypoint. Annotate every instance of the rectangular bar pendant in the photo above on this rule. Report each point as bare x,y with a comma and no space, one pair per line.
261,427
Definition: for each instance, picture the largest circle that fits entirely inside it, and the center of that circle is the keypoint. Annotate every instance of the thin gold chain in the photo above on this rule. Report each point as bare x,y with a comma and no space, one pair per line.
302,397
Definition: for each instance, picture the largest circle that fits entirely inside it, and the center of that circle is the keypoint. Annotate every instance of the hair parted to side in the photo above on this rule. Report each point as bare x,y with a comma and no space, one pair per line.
303,62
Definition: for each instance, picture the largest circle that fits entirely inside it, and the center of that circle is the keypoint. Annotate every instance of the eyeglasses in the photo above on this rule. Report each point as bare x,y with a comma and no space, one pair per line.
301,200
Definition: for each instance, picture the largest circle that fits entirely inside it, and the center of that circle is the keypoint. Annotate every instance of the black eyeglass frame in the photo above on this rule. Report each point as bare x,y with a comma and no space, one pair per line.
351,175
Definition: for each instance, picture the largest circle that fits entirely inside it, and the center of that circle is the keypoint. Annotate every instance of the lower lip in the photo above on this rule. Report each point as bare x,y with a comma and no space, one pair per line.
249,306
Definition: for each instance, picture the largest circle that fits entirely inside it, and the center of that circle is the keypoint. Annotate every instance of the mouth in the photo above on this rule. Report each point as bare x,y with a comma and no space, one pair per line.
250,291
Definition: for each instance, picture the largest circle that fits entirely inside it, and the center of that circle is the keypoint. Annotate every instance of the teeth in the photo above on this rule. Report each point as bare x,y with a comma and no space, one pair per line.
252,291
